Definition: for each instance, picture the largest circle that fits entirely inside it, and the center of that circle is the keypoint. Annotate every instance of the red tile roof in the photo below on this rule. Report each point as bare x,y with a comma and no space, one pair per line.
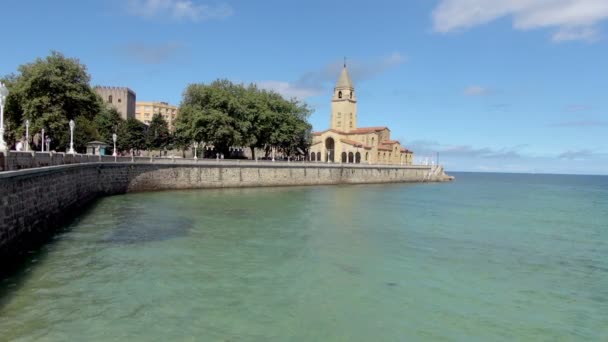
367,130
361,130
329,130
355,143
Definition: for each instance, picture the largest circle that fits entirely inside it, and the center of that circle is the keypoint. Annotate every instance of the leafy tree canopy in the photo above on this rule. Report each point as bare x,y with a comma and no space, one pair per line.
225,114
131,135
158,136
50,92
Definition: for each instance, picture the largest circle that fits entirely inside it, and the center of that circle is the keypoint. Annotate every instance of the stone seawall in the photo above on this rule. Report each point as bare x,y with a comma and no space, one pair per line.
35,201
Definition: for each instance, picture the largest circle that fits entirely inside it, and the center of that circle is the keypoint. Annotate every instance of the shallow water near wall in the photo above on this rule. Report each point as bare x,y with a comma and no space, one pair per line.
487,257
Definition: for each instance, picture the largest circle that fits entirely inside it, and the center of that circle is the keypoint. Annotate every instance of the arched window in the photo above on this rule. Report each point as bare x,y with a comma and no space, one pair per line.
110,99
366,156
312,156
340,94
372,141
351,94
344,157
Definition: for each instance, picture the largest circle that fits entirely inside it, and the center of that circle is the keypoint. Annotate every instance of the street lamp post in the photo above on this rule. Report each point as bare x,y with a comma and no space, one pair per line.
72,125
42,140
27,135
48,144
114,137
3,96
195,144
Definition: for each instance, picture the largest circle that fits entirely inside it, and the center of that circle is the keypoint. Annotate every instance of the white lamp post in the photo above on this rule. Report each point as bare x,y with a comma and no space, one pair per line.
114,137
48,144
27,135
42,140
328,154
3,96
195,144
72,125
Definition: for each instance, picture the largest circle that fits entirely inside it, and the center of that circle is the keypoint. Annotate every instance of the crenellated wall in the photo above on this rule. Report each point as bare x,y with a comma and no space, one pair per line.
37,200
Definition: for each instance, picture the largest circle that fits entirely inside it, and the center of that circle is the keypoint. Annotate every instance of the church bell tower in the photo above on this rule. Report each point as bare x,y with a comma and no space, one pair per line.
344,104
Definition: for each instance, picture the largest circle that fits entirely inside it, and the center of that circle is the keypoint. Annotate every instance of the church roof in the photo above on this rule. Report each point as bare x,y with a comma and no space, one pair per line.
355,143
367,130
362,130
344,80
328,130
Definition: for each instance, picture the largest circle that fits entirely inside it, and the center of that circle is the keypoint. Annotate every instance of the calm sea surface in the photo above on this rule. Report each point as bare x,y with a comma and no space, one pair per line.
488,257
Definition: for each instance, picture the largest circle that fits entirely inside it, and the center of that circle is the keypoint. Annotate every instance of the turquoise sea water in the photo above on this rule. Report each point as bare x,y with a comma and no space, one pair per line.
488,257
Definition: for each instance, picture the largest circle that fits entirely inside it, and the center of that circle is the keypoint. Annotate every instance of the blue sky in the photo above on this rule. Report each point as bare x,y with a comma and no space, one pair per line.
503,85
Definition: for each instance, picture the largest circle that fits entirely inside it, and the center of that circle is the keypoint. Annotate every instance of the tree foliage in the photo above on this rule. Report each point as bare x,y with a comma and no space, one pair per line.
157,135
107,122
225,114
131,136
50,92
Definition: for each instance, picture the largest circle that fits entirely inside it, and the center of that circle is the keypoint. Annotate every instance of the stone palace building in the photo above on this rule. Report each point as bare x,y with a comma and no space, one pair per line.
344,142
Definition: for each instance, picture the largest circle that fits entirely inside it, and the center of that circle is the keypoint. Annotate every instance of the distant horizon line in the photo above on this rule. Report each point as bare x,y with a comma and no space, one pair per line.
532,173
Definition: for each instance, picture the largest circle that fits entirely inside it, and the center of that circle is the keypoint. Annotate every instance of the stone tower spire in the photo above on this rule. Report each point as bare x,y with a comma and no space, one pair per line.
344,103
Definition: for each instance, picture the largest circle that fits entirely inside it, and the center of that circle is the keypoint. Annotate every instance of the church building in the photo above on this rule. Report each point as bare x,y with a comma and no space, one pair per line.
344,142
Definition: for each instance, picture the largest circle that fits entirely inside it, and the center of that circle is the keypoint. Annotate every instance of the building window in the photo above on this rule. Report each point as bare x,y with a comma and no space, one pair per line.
340,94
110,99
372,141
339,115
119,100
339,123
351,94
351,124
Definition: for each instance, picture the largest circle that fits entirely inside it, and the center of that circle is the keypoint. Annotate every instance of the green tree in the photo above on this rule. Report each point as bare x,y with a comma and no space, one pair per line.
108,122
226,114
50,92
158,136
131,136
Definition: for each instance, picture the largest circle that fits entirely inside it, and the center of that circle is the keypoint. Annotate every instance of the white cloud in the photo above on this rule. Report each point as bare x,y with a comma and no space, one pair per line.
476,90
288,89
316,82
582,123
589,34
571,19
179,9
577,154
153,53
